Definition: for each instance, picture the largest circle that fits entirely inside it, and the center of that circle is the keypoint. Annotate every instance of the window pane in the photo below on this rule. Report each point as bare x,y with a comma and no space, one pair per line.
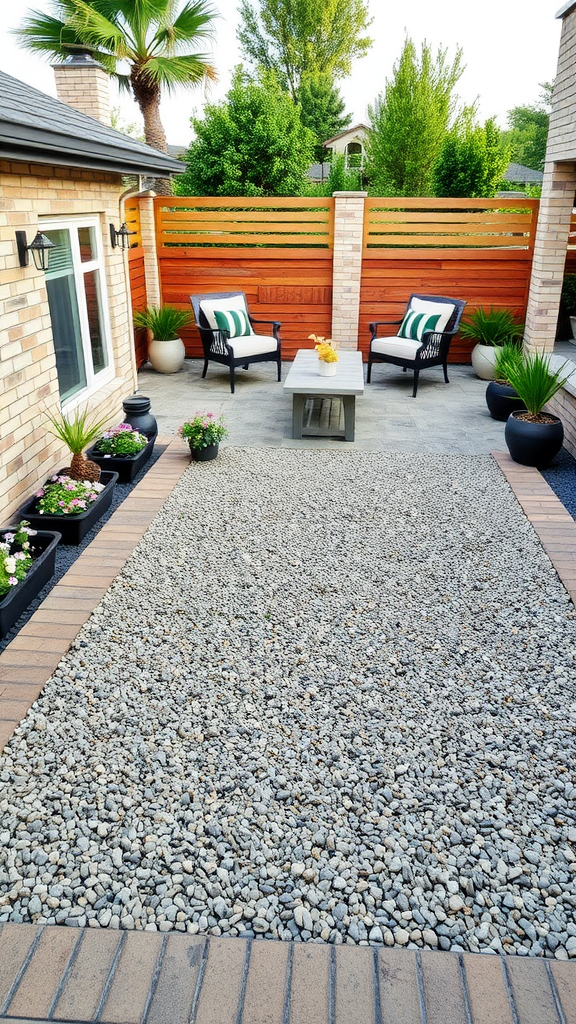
99,358
87,240
64,316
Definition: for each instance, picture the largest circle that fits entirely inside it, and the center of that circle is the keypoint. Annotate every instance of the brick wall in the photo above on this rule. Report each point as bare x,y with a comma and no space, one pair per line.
28,381
562,134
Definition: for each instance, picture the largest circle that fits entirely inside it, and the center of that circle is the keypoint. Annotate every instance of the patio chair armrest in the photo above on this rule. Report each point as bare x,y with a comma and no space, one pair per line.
381,323
274,324
432,343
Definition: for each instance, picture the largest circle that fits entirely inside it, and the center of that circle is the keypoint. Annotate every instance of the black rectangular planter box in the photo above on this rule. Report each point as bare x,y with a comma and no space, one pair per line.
16,601
73,528
127,466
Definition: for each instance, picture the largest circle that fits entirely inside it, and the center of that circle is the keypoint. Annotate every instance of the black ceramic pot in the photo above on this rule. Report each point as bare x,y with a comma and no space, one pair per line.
204,454
15,602
73,528
501,400
533,444
138,415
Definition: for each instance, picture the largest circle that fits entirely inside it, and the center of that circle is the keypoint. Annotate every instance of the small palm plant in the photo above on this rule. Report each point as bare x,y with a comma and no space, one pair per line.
508,356
536,383
78,435
164,321
492,327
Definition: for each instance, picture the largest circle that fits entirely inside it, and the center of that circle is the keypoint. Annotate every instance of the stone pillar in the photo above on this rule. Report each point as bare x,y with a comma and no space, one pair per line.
148,235
347,267
84,85
552,231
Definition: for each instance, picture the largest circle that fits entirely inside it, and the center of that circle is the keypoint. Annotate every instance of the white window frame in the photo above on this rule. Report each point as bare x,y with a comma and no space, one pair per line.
94,381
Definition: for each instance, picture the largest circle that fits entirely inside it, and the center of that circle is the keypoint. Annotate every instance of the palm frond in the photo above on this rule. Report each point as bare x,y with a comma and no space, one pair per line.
194,22
41,33
100,32
76,434
188,69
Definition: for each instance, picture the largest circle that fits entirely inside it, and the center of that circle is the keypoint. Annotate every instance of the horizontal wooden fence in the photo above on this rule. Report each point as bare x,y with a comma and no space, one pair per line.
479,250
280,253
277,251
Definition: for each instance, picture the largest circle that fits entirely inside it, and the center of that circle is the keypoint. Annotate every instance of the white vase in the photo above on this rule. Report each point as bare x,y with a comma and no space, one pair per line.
483,360
326,369
167,356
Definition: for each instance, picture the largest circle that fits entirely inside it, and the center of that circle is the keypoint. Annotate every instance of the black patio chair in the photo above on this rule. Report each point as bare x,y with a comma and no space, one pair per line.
426,330
232,349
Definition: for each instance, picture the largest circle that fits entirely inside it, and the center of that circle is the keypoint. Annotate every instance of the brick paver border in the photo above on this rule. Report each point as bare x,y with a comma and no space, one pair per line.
115,977
555,527
30,658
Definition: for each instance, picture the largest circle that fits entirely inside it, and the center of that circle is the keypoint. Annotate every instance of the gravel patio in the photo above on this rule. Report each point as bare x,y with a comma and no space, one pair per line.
329,698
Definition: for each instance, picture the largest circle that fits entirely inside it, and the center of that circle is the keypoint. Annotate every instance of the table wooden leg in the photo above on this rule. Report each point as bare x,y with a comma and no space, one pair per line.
349,402
297,415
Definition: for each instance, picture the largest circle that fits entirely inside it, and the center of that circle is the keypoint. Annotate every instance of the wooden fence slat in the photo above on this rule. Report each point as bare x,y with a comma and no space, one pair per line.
266,217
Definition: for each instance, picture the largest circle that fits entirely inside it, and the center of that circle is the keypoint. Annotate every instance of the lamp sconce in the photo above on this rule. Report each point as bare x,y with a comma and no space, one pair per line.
120,237
39,247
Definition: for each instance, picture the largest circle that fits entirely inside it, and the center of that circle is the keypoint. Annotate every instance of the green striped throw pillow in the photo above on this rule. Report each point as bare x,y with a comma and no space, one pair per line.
234,321
415,324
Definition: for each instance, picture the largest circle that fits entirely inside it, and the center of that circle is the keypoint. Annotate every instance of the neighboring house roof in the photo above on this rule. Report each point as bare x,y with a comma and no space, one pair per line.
519,173
349,131
177,151
38,128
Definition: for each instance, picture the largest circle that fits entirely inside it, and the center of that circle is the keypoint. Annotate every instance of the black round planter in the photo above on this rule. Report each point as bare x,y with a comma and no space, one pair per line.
138,415
533,444
204,454
501,400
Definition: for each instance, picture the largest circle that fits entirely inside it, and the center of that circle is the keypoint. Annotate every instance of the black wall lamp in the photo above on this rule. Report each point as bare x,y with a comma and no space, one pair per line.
40,248
120,237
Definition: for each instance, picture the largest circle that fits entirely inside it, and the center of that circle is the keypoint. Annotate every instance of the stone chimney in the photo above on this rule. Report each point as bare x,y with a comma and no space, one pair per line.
83,84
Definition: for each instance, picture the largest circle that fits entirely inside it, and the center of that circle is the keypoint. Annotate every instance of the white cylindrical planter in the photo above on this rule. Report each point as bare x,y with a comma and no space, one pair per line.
167,356
483,360
326,369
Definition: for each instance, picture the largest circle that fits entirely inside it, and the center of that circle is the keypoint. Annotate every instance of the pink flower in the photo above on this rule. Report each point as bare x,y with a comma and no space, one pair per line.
9,537
39,494
62,504
12,581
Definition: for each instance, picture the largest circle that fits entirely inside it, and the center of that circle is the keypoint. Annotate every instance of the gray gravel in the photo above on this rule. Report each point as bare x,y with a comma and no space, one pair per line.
330,698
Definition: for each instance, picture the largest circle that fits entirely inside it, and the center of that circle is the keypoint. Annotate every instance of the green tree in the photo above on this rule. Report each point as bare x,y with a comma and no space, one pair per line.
158,39
321,109
251,144
472,160
409,121
338,180
293,37
529,130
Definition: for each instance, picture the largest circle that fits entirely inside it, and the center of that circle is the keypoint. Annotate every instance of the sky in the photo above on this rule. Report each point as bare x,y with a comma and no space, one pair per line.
509,47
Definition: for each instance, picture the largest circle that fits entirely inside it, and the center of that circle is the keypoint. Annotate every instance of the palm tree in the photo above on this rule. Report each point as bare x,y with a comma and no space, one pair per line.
156,38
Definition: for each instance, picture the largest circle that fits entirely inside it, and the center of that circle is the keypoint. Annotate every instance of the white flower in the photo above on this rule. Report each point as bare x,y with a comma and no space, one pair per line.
10,564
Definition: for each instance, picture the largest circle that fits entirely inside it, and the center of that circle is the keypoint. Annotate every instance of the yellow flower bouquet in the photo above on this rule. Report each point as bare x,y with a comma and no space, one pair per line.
324,347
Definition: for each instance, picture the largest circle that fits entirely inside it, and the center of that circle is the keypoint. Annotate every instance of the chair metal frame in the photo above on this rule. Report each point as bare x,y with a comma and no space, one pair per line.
433,350
216,343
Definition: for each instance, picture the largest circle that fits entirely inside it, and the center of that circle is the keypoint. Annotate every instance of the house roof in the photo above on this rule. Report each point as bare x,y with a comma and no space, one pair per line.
39,128
349,131
519,173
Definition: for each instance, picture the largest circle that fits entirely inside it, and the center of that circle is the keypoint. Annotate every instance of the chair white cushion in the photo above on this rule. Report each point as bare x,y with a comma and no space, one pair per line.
253,345
424,316
402,348
208,307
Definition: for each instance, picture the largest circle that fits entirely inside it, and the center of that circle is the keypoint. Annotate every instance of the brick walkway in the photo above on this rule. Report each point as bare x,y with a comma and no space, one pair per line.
64,974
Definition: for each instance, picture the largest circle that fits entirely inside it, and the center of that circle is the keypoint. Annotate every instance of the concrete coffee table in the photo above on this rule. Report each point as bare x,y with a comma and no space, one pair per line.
304,382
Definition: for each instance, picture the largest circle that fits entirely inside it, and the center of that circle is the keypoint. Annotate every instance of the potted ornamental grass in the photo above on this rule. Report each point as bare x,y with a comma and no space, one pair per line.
327,355
203,434
166,350
122,450
489,329
73,499
533,436
501,398
27,562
